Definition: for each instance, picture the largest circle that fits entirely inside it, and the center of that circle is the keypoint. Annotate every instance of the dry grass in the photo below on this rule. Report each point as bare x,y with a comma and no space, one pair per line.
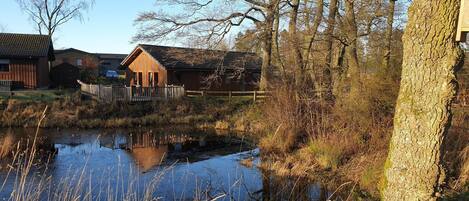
73,112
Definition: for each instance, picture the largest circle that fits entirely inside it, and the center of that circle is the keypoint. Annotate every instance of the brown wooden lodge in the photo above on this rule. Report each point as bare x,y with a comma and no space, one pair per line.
24,61
195,69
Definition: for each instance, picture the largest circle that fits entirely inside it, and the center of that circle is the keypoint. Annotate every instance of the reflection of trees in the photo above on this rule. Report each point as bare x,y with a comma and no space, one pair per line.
16,142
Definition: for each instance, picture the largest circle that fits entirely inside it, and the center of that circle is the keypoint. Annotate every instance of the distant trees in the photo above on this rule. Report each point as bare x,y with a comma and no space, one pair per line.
413,169
48,15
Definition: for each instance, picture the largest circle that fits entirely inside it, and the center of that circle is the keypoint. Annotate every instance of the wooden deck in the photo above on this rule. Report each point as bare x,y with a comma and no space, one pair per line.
131,94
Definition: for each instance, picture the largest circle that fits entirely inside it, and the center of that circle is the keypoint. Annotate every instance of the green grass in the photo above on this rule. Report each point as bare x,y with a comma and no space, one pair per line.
36,95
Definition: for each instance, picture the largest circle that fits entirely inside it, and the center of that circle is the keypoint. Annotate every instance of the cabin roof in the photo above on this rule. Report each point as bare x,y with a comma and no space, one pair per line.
191,58
99,55
71,50
111,56
25,45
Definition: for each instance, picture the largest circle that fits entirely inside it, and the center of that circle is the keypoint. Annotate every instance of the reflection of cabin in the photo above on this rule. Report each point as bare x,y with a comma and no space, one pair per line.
148,157
24,60
151,66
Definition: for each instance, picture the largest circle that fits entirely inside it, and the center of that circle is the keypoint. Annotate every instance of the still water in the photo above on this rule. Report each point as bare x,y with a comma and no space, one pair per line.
161,164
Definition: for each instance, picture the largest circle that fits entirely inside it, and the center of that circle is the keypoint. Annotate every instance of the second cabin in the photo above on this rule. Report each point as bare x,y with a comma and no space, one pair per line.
195,69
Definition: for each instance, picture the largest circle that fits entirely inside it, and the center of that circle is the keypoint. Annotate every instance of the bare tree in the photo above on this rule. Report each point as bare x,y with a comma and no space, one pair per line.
48,15
201,19
390,21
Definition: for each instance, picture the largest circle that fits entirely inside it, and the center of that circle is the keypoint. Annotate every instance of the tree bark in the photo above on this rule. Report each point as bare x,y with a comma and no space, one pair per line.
413,169
312,32
295,42
267,35
351,49
327,72
390,21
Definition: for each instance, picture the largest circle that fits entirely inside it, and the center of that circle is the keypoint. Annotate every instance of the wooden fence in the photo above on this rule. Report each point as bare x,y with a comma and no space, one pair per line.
131,94
9,85
256,95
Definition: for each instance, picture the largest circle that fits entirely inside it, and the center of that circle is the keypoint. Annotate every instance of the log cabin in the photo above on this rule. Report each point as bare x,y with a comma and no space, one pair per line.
195,69
24,60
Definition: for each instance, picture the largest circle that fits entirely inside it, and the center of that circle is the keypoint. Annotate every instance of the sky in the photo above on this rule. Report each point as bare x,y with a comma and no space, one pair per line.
106,28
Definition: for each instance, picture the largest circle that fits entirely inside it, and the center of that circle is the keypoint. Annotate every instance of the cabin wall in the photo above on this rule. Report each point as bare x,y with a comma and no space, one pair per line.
22,71
145,64
196,80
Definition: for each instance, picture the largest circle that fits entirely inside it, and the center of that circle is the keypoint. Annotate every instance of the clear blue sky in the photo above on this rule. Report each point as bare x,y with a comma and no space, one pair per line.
107,27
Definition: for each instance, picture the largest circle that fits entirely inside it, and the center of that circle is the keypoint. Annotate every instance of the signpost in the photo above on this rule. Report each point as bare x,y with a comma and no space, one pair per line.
463,23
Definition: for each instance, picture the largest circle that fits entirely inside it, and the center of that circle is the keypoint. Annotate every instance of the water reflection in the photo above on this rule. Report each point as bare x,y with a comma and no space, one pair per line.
194,163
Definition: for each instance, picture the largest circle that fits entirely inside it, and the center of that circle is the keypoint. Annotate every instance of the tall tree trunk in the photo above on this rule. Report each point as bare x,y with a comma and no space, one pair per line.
295,42
275,44
312,31
423,113
390,21
327,72
353,69
266,71
267,36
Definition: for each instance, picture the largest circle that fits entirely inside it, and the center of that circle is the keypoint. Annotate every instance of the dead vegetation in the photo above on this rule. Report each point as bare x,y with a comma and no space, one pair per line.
71,111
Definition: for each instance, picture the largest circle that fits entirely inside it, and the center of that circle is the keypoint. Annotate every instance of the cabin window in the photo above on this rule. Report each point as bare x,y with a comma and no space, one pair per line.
79,62
134,78
228,79
155,75
150,79
4,65
140,78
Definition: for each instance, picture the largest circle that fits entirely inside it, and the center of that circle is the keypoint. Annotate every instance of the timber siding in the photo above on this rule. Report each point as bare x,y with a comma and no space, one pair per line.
236,71
24,72
143,65
27,56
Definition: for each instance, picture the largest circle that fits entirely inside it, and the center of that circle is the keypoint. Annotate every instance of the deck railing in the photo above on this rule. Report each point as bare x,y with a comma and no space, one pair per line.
131,94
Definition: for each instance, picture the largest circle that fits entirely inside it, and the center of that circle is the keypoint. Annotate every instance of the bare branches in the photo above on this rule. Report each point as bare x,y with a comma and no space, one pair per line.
50,14
159,25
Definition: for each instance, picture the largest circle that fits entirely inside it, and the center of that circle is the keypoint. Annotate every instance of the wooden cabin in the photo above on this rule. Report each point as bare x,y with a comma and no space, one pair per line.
24,60
195,69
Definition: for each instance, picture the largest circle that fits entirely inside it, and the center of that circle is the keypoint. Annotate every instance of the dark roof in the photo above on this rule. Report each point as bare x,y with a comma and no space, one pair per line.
25,45
99,55
191,58
111,56
70,50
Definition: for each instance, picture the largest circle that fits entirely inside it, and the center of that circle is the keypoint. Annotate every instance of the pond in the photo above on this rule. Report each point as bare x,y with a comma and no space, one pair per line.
139,164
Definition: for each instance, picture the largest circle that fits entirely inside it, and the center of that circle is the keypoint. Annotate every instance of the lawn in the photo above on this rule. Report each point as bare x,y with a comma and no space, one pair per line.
36,95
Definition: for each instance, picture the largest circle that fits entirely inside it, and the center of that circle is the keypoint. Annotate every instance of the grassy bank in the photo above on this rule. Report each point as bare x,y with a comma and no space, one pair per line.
347,147
69,110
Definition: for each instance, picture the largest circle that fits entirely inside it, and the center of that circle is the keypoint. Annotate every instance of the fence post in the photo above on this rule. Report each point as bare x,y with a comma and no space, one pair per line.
229,96
255,96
